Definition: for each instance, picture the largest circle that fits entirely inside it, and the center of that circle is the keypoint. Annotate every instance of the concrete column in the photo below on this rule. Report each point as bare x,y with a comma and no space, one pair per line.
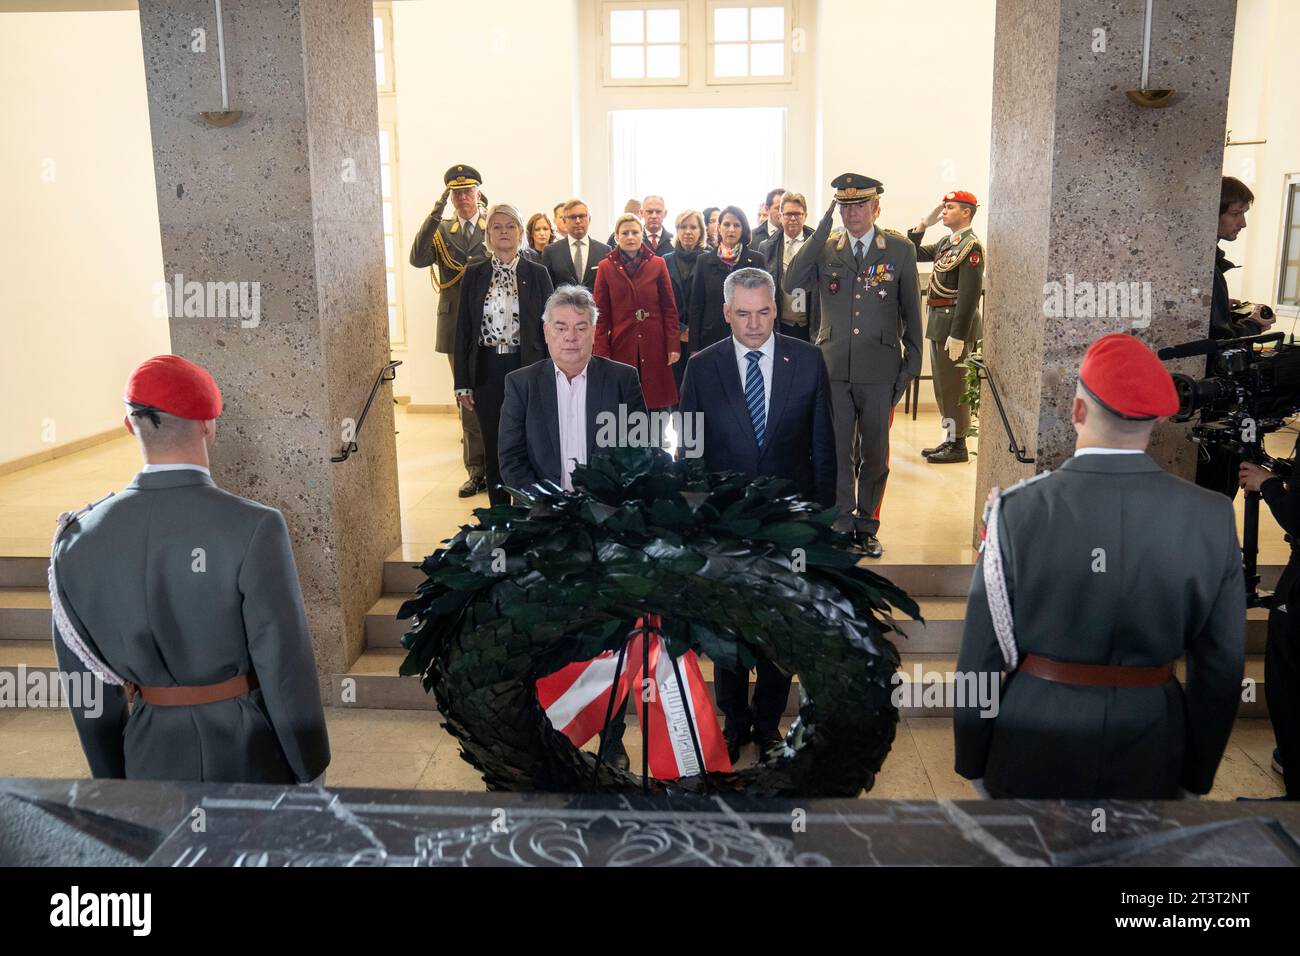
1090,194
286,198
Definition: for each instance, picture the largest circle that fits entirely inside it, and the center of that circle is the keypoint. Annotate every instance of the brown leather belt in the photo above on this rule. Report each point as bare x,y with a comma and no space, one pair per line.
1097,675
940,303
189,696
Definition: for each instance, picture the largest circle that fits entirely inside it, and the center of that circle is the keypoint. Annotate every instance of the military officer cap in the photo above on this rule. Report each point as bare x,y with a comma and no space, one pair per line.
853,188
168,383
461,176
960,195
1124,377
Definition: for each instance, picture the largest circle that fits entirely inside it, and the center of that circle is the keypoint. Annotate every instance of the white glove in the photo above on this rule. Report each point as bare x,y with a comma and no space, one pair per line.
954,348
933,216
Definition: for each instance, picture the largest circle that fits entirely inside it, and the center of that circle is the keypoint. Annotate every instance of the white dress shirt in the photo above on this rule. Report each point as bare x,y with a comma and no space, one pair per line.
571,401
586,256
765,364
866,239
1098,450
147,469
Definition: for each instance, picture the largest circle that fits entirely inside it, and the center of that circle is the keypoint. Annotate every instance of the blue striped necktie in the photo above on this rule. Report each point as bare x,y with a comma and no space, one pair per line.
754,396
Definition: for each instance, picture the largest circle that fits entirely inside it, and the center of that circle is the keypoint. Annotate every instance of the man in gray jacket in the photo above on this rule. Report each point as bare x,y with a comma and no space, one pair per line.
1092,581
183,599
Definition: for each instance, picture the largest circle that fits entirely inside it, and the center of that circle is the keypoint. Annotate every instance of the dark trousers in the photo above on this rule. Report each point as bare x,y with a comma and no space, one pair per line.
861,416
471,441
489,395
1282,675
794,331
770,695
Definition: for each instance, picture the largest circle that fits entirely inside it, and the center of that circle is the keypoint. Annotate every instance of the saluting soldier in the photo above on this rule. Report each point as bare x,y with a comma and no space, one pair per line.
870,335
953,324
1092,581
183,600
449,247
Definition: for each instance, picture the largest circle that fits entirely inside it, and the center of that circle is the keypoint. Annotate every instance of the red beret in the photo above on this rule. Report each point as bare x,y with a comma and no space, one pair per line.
960,195
1126,378
173,385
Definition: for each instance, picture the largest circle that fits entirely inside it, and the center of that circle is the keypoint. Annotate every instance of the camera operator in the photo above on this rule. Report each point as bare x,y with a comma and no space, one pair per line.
1282,652
1218,472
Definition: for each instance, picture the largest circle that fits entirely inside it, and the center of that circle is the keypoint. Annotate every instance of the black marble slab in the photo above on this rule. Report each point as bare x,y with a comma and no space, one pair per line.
145,823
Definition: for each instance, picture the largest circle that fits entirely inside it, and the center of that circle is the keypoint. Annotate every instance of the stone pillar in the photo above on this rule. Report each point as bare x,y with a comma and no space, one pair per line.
287,198
1088,188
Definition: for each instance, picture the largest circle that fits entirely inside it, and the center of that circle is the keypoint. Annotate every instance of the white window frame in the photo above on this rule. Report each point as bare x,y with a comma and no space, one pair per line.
383,10
787,59
608,7
1290,188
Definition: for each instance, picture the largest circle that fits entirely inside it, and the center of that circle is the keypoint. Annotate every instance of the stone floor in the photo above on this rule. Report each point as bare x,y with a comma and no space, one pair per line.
394,748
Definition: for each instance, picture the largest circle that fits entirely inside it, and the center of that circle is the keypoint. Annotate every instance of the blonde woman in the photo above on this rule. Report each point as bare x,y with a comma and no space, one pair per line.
498,329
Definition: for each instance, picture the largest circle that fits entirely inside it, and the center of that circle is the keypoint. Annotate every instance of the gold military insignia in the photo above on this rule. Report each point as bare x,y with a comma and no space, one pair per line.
455,227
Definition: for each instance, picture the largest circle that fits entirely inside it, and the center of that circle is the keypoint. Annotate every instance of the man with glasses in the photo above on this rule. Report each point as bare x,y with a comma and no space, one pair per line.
573,259
796,308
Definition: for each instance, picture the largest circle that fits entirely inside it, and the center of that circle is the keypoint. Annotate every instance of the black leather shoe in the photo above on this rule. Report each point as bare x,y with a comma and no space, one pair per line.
956,452
871,545
767,744
735,740
472,487
927,452
615,755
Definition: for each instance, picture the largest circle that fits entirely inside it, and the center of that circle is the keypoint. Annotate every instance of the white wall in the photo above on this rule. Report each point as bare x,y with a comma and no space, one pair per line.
1262,104
80,248
896,105
484,88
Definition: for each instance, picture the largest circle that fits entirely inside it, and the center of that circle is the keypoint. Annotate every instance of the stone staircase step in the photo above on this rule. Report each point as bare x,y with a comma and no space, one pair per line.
940,634
24,614
23,571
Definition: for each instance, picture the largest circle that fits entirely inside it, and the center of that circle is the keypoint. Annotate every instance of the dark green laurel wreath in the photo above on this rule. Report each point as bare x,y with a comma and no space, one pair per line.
737,568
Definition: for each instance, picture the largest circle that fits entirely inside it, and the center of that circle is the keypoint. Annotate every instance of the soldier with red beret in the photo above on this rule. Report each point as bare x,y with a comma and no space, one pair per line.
953,324
183,600
1092,582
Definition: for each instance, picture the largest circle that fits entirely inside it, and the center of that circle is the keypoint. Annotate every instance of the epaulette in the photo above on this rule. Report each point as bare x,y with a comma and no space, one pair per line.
896,234
1026,481
838,237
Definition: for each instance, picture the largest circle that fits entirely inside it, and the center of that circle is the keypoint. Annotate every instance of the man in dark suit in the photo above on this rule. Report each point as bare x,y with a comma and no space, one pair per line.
555,410
652,215
796,309
1092,582
574,250
448,247
772,418
769,223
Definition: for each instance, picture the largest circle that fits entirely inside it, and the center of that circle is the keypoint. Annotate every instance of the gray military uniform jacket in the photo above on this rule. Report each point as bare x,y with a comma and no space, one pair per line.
1108,560
867,313
162,613
443,246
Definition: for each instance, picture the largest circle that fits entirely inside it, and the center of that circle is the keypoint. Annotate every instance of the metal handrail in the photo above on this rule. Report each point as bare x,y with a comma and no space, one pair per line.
386,374
1014,447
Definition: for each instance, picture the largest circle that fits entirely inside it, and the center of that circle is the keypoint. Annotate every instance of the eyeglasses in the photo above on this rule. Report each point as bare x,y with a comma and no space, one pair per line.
793,215
578,215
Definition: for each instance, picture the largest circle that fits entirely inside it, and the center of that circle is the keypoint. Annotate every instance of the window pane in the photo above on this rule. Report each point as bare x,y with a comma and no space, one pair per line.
626,26
730,59
379,33
383,146
663,62
380,76
392,286
663,26
730,23
767,23
767,59
388,252
388,216
627,62
385,180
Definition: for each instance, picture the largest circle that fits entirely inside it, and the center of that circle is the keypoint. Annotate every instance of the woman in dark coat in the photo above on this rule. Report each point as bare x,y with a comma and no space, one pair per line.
638,322
688,243
707,324
498,329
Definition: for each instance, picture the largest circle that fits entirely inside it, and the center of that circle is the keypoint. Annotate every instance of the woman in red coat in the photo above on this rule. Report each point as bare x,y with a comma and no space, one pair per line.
638,322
